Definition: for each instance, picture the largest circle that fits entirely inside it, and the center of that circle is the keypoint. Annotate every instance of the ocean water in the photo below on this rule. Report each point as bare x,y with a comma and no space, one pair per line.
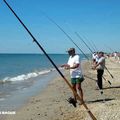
19,65
23,75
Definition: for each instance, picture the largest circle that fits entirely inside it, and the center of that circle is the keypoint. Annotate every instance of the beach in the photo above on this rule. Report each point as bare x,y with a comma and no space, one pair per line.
40,40
51,103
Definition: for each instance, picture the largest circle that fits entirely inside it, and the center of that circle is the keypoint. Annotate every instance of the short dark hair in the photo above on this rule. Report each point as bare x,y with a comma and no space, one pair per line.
101,52
71,49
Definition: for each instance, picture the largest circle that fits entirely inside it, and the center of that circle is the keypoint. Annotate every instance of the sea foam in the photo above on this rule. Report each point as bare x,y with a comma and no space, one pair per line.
25,76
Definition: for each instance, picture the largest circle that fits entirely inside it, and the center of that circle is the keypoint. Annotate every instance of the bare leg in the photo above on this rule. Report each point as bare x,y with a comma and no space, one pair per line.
74,87
79,88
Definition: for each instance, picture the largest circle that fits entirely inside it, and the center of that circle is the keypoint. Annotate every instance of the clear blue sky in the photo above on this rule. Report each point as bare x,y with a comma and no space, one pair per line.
97,20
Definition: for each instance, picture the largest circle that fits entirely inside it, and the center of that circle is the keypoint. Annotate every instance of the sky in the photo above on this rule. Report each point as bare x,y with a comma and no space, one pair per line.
96,21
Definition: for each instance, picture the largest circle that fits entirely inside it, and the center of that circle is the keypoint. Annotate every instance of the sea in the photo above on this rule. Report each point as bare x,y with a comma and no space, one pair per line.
25,75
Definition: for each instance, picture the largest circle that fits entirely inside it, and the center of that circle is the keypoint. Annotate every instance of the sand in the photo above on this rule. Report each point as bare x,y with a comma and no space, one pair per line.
51,103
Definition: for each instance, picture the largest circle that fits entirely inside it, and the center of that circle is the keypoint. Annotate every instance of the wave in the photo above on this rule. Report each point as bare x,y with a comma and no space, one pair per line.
25,76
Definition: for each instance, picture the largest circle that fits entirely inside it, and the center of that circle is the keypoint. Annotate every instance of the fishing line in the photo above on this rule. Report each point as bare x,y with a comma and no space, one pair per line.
88,48
101,91
92,52
91,44
65,34
34,39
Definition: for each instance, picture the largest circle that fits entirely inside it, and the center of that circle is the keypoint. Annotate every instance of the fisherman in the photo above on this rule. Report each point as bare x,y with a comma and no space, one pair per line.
119,57
75,72
95,57
99,66
115,55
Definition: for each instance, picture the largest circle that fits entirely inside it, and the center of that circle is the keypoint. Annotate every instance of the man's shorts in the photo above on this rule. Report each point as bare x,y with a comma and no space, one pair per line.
77,80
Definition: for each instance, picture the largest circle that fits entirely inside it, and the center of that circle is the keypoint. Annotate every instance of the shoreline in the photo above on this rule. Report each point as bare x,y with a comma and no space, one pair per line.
51,103
23,90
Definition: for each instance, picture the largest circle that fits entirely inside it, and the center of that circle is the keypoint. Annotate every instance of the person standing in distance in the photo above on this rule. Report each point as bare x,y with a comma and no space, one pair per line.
99,66
75,72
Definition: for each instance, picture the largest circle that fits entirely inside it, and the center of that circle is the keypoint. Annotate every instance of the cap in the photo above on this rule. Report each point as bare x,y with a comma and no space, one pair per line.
71,49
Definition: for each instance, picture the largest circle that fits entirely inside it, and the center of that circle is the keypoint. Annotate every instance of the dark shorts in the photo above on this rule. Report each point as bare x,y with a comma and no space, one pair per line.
77,80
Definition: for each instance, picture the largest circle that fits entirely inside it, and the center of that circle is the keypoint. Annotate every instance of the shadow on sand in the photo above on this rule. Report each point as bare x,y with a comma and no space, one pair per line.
90,78
100,100
111,87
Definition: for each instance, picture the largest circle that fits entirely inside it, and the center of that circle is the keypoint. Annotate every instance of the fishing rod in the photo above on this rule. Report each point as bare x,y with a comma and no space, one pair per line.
91,44
101,90
83,41
34,39
65,34
107,80
94,45
95,79
83,36
92,51
111,50
68,37
109,72
90,77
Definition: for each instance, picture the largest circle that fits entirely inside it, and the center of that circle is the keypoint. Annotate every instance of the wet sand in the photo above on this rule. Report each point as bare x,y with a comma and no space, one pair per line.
51,103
